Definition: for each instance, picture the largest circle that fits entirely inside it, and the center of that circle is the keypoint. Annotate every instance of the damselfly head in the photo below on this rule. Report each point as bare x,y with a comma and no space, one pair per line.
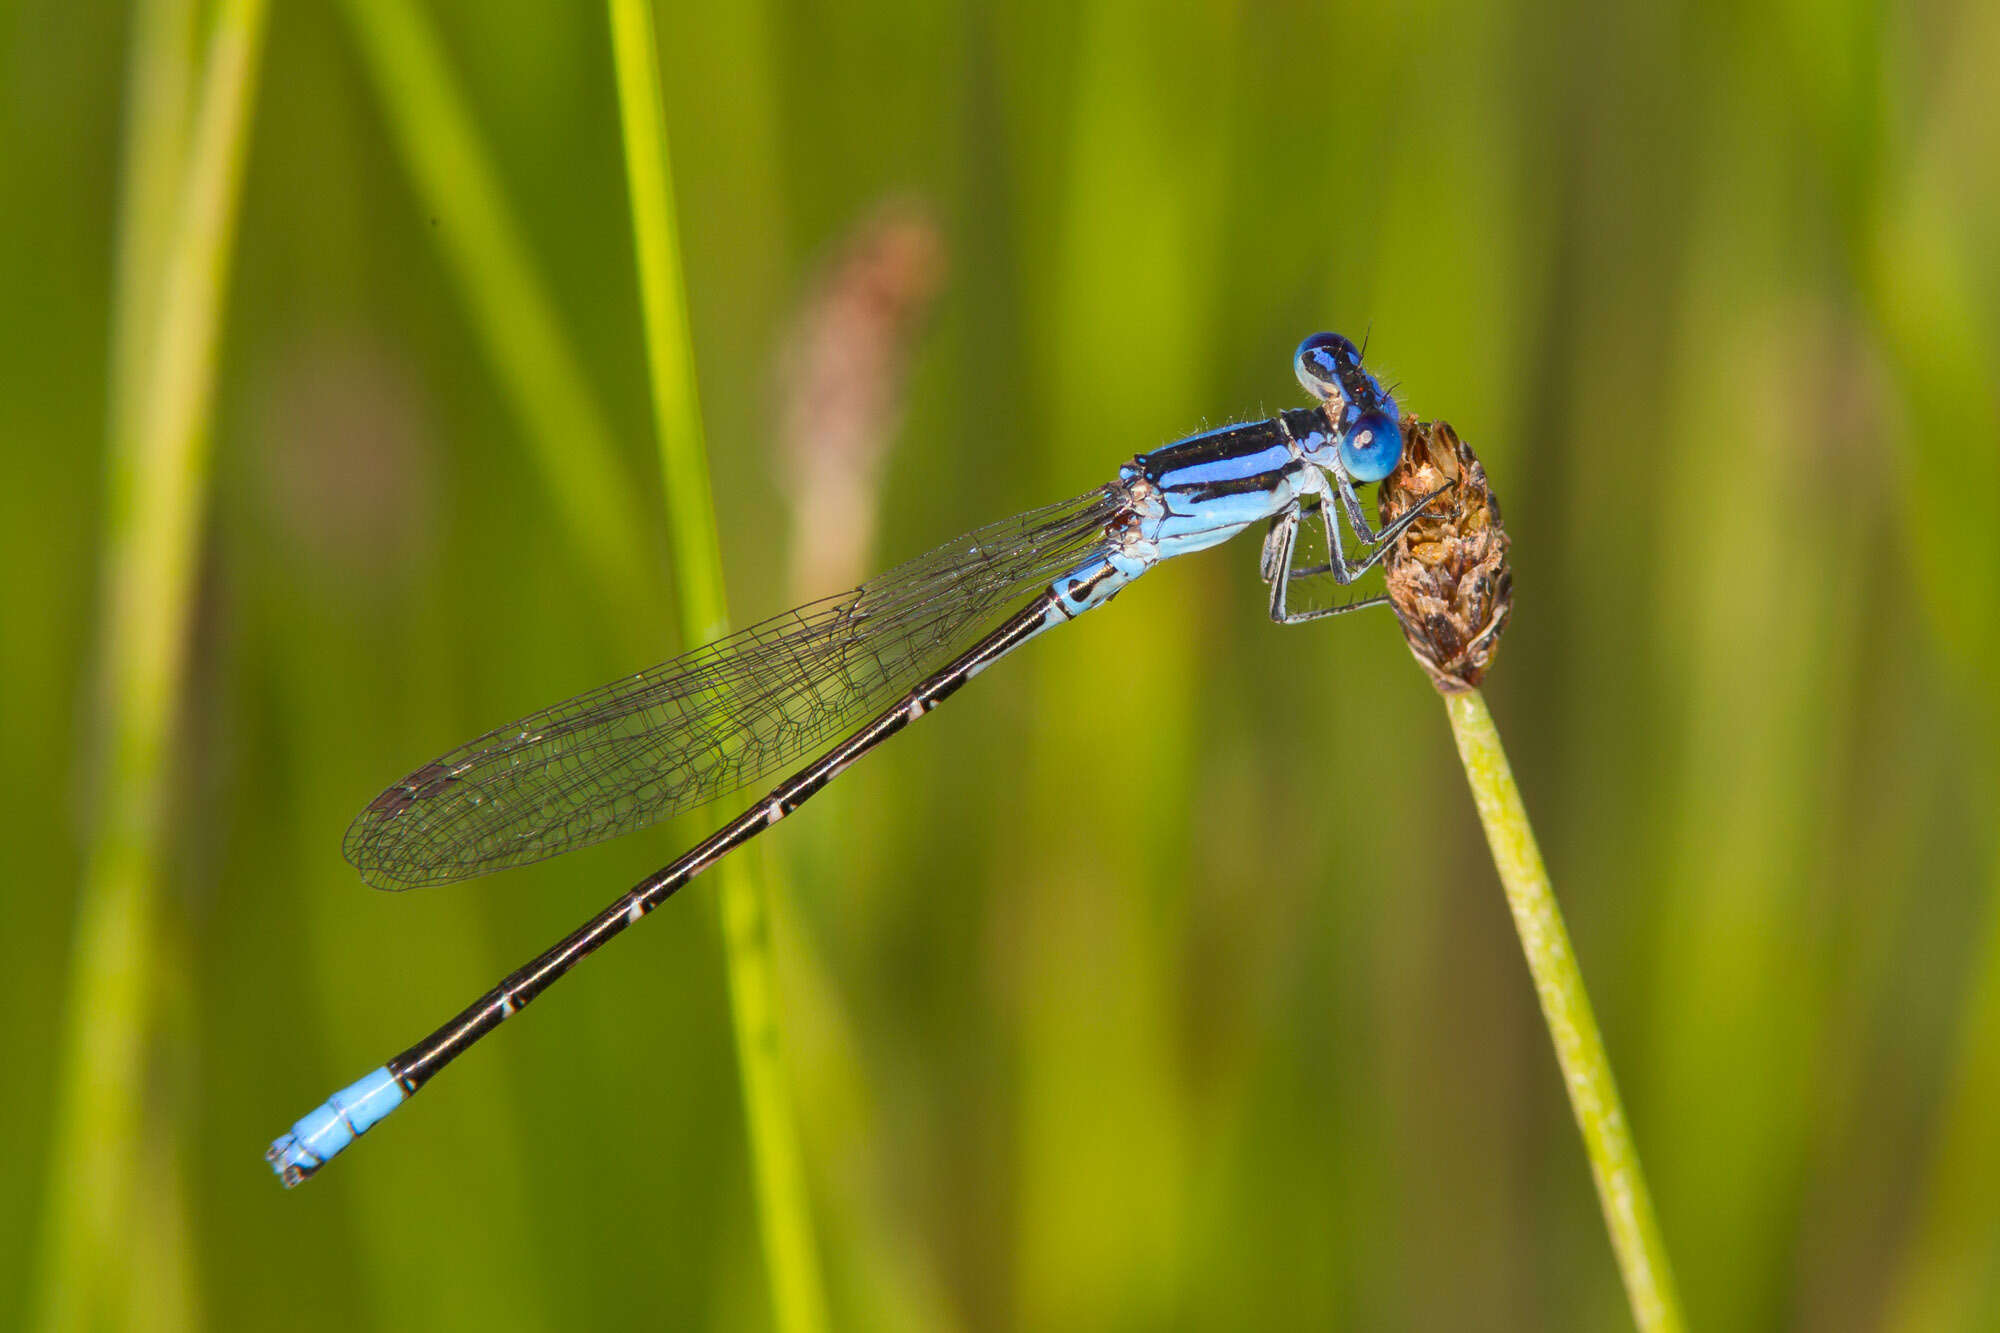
1362,412
1327,365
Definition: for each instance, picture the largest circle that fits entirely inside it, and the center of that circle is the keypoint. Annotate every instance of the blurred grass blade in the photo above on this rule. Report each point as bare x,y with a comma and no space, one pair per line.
790,1252
513,313
1922,277
158,492
164,64
1947,1280
663,307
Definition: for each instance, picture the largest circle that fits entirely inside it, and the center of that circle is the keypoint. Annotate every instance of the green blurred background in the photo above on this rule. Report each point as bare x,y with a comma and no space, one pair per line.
1163,982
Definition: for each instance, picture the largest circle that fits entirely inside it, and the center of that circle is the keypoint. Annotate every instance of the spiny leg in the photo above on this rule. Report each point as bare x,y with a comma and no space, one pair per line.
1356,516
1280,545
1329,519
1277,551
1342,570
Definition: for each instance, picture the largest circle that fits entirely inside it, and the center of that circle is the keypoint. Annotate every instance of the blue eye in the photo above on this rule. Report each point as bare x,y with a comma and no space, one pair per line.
1371,446
1362,413
1324,363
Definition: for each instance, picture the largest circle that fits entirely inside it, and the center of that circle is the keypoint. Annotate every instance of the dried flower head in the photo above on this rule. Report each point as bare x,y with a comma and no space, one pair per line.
1448,575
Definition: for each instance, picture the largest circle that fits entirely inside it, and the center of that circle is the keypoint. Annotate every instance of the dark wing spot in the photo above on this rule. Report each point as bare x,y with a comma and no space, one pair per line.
421,785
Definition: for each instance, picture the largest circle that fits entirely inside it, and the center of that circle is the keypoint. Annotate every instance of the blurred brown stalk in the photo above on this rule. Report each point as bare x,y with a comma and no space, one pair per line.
845,365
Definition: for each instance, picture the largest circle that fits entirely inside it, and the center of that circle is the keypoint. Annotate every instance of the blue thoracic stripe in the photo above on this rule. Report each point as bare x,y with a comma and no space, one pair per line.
1257,459
1243,467
614,756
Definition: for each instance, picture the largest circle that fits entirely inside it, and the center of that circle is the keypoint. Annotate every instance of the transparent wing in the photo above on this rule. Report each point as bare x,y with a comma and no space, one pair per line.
713,719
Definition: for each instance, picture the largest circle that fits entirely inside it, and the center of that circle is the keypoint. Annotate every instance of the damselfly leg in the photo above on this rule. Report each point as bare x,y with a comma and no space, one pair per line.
1281,546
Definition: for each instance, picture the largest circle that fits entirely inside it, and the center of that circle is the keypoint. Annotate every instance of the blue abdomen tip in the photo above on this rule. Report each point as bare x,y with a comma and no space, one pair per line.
335,1123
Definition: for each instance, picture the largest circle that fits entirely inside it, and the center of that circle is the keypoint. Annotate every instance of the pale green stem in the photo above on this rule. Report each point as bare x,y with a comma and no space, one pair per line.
511,310
784,1210
157,502
1593,1093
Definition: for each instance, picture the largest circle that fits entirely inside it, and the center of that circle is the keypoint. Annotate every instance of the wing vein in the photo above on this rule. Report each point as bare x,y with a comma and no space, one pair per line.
715,718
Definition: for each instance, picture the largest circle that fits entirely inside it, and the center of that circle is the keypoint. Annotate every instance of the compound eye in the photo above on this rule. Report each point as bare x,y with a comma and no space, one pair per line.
1320,363
1371,446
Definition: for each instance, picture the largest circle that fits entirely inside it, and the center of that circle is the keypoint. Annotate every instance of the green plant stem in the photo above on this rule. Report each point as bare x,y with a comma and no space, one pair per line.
156,507
784,1210
511,309
1593,1093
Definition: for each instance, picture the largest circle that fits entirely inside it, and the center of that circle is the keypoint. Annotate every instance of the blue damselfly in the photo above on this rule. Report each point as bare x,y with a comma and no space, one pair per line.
829,681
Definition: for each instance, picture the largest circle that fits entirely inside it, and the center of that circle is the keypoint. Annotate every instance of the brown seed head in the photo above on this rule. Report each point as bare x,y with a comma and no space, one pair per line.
1448,575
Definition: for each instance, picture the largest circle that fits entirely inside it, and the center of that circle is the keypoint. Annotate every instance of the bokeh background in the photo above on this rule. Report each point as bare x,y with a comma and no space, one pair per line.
1161,982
